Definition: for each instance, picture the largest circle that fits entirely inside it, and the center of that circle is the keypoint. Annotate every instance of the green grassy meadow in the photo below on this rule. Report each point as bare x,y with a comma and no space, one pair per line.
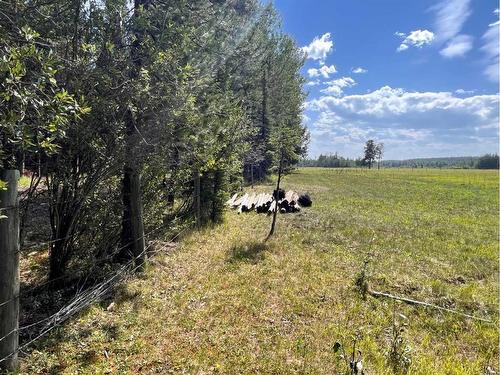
224,302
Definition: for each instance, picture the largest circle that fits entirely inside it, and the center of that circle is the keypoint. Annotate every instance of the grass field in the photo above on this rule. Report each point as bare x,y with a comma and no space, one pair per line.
225,302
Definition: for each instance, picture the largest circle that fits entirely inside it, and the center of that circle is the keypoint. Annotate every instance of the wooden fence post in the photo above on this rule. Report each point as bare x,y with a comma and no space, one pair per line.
9,271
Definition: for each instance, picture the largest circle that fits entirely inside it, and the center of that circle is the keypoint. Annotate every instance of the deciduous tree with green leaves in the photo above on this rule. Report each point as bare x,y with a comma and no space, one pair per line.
370,153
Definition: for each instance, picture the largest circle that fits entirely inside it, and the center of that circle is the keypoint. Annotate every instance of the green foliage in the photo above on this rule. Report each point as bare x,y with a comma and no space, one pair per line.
370,152
488,161
171,90
329,161
34,110
399,353
362,279
352,359
463,162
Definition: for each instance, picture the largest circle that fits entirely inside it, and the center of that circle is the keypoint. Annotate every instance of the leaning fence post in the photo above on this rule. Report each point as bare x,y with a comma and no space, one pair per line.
9,271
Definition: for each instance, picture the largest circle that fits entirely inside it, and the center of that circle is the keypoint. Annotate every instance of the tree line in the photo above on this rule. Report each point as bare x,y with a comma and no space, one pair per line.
332,161
134,116
487,161
373,152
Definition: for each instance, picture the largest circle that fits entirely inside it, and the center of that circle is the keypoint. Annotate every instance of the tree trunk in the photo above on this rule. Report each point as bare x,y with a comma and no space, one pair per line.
170,200
265,121
251,175
20,161
39,165
217,204
275,212
9,272
197,197
132,237
64,223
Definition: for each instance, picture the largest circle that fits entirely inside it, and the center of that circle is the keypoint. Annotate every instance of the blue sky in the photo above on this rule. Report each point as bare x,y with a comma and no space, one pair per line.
419,76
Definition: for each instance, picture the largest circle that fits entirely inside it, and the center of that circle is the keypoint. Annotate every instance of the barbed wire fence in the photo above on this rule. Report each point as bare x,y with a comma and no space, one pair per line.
85,298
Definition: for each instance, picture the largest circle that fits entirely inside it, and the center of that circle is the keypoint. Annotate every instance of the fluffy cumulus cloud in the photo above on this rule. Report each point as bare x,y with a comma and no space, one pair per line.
411,124
416,38
490,48
359,70
319,48
458,46
451,16
324,71
336,87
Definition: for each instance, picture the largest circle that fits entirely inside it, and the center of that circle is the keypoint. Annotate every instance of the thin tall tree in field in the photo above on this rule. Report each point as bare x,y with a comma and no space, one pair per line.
370,152
285,155
379,153
287,136
276,197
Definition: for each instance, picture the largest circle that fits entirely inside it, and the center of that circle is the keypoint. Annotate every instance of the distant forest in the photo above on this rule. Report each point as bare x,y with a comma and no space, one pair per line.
331,161
488,161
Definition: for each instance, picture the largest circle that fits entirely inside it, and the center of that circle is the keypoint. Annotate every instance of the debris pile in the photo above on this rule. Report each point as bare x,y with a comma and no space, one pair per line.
289,201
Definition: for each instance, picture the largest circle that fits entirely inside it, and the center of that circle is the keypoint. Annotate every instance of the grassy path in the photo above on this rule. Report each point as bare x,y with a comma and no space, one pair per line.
224,302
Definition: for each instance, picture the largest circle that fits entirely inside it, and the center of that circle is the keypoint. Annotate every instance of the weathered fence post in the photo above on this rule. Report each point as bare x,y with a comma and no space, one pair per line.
9,271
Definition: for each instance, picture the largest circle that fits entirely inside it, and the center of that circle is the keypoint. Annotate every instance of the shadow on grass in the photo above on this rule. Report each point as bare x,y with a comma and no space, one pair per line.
252,252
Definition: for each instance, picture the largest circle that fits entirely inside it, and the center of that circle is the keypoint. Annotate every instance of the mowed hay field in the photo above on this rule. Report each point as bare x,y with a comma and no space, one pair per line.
225,302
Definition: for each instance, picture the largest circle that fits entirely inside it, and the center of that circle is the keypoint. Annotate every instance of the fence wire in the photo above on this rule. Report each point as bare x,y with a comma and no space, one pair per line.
85,298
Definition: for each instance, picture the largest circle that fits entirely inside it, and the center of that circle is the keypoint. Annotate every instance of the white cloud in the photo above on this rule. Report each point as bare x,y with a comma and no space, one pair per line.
450,18
409,123
402,47
400,34
416,38
496,11
490,48
336,86
458,46
333,90
343,82
319,48
464,92
313,72
313,83
325,71
359,70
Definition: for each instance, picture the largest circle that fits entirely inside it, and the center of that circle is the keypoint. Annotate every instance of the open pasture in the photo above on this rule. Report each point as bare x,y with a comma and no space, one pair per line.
225,302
